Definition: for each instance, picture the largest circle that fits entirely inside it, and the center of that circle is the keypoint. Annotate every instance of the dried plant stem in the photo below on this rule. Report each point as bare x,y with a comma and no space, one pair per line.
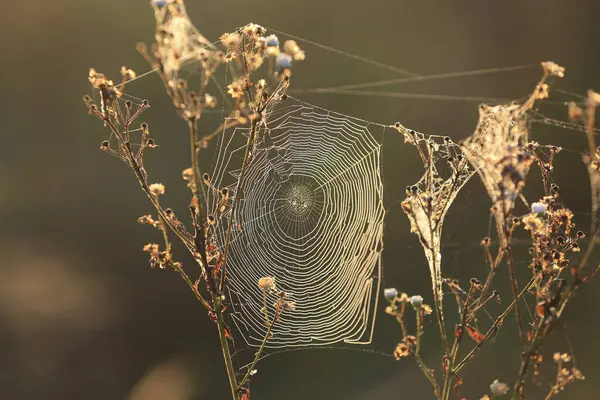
224,126
493,267
417,354
133,163
263,343
518,391
216,295
456,344
193,287
177,266
193,130
427,372
506,239
217,302
256,357
437,300
419,330
494,326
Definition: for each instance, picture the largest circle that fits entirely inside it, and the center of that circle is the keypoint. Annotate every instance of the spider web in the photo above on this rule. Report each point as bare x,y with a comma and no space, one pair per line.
310,210
309,213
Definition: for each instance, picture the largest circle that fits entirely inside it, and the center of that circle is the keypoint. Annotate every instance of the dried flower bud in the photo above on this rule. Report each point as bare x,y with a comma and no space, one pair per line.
401,351
210,101
575,112
498,388
542,91
272,41
267,283
551,68
539,207
160,3
287,305
416,302
284,61
593,97
157,189
127,73
390,294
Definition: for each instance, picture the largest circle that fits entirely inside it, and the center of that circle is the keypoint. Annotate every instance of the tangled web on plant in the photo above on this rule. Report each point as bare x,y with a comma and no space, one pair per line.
309,213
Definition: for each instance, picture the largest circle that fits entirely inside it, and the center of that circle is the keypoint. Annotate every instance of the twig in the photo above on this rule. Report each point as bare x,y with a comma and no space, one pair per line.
495,325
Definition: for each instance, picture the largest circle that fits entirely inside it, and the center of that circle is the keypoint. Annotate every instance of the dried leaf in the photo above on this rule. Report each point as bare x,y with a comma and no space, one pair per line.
458,384
475,334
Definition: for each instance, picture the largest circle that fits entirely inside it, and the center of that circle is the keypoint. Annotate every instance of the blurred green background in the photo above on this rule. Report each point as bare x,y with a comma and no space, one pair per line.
81,314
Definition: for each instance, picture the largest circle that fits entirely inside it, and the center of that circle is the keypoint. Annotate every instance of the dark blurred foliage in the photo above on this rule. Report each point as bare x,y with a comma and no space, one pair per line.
81,314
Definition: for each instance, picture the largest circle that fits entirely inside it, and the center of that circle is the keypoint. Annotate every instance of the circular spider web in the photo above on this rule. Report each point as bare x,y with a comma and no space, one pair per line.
309,213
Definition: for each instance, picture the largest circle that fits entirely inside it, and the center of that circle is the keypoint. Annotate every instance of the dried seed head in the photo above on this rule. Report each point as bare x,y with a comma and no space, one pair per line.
267,283
575,112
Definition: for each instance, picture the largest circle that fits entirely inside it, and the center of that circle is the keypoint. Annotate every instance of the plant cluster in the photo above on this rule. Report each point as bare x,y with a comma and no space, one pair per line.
499,151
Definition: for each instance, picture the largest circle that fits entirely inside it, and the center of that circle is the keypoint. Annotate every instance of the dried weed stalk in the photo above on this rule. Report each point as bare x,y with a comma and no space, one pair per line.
499,151
502,154
252,92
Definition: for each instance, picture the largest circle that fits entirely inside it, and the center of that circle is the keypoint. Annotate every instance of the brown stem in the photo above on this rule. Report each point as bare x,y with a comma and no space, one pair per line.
494,326
217,302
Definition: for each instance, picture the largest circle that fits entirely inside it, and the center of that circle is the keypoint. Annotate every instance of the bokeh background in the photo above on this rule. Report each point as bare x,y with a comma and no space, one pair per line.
81,314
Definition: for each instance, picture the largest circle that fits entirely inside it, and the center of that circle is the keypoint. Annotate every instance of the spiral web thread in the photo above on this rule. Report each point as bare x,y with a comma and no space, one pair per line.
310,213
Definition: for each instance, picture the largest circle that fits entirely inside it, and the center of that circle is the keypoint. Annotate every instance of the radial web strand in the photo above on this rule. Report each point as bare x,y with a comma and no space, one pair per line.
310,213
